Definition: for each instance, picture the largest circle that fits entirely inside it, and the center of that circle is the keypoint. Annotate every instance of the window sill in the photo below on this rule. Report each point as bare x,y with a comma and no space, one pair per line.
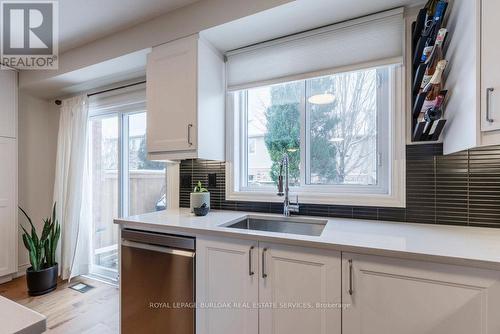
325,199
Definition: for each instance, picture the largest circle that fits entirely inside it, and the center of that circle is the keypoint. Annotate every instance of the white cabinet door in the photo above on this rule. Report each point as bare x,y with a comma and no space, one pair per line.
410,297
227,286
8,205
490,65
8,103
172,96
299,290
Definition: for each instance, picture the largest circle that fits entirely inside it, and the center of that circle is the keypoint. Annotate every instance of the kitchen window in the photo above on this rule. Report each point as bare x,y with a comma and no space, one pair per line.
341,126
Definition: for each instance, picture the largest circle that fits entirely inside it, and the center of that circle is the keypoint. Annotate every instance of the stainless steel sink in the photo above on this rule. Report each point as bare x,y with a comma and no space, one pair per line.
303,226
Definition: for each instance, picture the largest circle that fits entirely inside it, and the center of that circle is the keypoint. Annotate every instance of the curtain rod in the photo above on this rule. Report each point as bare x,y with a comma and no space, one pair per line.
59,102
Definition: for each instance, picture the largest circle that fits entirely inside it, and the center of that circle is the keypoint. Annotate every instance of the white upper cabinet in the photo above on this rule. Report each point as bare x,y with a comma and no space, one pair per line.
490,65
185,101
8,103
386,295
171,96
473,79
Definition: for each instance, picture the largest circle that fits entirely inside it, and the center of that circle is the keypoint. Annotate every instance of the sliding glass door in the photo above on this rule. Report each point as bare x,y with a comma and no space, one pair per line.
104,161
145,179
124,181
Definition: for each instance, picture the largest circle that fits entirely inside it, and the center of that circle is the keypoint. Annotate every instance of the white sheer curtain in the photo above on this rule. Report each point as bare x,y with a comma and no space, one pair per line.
71,187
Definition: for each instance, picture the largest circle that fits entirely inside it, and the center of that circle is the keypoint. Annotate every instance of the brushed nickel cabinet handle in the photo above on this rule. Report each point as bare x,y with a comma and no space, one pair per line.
189,134
264,275
350,277
250,271
488,98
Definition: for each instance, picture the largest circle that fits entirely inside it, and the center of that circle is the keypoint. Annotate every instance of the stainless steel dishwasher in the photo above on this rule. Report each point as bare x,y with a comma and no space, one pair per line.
157,283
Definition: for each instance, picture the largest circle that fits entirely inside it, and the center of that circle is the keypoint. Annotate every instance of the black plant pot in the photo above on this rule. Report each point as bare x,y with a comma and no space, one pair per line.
42,281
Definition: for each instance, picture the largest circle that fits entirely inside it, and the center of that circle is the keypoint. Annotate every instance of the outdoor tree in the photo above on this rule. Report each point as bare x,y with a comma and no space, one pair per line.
143,162
323,120
354,135
342,134
283,129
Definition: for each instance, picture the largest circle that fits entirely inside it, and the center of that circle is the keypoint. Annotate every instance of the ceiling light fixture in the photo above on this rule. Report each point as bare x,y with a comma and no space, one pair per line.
325,98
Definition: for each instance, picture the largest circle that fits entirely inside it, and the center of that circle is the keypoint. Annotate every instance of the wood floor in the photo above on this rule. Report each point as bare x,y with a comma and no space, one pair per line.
69,311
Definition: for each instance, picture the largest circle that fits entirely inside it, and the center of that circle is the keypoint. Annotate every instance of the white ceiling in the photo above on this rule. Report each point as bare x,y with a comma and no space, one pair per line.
81,22
294,17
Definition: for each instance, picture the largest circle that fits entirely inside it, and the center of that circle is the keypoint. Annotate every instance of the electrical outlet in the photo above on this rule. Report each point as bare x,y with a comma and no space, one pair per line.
186,181
212,180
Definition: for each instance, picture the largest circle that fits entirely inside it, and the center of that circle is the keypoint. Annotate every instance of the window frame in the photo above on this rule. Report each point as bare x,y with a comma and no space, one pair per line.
391,194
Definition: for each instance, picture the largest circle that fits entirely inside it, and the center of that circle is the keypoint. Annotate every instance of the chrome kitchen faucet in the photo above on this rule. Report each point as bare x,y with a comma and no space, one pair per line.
287,207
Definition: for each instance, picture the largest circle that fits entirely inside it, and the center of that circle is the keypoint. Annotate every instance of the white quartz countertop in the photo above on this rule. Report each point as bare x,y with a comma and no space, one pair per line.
474,246
15,318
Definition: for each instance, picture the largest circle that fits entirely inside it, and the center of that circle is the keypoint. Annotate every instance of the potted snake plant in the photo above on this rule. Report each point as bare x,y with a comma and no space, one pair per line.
42,275
200,199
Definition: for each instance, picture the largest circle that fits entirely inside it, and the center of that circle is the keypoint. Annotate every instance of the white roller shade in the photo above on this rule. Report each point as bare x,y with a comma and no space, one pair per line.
365,42
133,97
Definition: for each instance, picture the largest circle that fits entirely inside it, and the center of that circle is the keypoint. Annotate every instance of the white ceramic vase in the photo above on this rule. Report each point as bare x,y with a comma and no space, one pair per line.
197,199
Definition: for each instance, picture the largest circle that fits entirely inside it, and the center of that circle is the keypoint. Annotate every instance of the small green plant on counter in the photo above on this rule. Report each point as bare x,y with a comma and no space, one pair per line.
199,188
42,250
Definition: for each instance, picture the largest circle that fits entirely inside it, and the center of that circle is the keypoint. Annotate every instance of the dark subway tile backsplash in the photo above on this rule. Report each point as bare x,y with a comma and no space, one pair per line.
458,189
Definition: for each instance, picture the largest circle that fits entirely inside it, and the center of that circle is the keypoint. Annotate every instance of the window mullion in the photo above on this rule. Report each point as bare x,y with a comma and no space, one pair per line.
304,139
123,166
243,100
383,122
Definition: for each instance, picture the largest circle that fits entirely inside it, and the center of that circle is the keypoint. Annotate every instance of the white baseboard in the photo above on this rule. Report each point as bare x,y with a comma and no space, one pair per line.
21,270
5,279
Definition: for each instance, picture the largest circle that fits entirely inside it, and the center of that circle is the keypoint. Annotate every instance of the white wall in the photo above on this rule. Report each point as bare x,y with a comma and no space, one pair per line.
38,126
